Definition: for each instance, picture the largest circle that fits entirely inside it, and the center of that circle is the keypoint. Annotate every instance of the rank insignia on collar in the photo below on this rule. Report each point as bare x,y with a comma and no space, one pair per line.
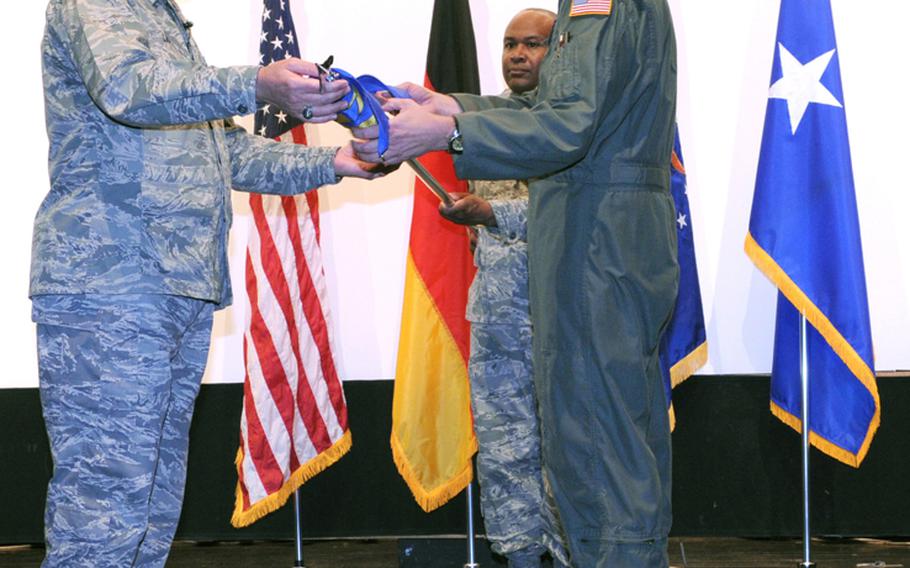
591,7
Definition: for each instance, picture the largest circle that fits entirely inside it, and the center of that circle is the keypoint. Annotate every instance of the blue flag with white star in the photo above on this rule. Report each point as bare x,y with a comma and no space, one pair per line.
804,235
684,348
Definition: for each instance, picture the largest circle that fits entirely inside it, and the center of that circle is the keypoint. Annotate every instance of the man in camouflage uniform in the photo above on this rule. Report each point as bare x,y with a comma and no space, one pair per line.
502,392
129,256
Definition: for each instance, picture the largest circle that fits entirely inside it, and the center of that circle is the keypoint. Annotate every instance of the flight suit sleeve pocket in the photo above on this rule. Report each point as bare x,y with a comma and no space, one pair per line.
562,78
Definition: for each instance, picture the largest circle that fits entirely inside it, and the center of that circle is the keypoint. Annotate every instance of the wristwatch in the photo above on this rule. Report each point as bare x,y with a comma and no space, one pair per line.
455,144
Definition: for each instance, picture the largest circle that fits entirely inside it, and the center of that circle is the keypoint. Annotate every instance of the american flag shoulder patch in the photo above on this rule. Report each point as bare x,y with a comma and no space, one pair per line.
591,7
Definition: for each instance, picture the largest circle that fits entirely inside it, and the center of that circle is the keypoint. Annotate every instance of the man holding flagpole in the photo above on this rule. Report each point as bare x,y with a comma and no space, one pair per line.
597,135
518,523
129,256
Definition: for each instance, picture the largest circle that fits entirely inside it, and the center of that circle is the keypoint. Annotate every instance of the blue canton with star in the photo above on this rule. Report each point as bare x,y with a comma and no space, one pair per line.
277,41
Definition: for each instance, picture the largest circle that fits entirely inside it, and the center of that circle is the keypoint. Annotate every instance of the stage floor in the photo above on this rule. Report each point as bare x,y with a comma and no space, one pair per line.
381,553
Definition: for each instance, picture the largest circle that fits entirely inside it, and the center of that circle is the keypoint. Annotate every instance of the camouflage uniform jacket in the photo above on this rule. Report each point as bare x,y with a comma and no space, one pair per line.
143,155
499,293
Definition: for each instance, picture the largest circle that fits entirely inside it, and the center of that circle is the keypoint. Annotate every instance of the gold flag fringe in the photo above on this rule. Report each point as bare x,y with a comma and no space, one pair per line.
433,498
277,500
683,369
838,343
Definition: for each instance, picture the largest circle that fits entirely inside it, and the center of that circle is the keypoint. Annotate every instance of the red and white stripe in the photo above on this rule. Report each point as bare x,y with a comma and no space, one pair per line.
591,7
294,407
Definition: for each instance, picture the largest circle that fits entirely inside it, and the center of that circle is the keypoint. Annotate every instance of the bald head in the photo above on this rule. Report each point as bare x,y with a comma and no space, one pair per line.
524,46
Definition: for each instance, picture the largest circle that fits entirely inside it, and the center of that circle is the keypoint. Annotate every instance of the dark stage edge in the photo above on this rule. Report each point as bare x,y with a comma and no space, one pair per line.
700,552
736,472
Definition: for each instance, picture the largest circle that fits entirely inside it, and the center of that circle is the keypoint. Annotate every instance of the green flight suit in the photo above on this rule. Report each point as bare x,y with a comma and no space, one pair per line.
596,139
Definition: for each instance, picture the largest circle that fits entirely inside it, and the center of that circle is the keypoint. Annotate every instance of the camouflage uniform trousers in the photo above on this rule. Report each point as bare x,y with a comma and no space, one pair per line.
119,376
518,524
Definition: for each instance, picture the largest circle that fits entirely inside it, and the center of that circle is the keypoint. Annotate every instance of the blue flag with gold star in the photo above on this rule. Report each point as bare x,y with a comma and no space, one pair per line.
804,235
684,347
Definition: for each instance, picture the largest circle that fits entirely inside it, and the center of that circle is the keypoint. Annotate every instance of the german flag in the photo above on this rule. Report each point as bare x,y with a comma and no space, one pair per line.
432,429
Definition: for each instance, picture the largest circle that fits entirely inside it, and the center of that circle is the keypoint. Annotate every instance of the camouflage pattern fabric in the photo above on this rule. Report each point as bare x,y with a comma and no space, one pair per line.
118,379
129,259
502,392
500,190
499,292
507,429
143,155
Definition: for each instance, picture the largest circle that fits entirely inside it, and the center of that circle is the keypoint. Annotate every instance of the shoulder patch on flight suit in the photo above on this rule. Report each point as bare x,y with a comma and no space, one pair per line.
591,7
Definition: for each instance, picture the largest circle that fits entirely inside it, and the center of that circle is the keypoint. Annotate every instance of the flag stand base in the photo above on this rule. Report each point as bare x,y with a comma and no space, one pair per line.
806,565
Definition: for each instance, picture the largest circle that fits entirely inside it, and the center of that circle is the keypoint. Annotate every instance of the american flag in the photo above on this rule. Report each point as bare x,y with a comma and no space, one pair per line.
294,422
587,7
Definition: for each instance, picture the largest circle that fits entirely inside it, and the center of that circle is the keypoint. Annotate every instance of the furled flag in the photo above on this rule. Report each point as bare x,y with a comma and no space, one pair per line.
294,422
804,235
684,347
432,428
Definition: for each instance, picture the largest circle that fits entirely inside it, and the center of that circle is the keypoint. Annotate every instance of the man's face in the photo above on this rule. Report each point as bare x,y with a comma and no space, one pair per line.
523,48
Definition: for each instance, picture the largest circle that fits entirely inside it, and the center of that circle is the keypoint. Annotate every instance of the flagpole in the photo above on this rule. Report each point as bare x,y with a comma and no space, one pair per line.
471,563
804,380
298,533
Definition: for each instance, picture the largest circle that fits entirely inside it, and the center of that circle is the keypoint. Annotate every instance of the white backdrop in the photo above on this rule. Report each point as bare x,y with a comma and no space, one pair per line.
725,51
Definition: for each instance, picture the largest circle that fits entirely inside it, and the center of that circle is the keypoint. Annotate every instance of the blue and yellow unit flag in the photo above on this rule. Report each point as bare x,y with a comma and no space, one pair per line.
804,235
684,346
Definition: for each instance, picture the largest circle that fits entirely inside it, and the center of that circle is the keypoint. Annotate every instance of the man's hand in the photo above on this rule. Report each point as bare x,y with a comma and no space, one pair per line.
412,133
296,87
468,209
347,165
437,103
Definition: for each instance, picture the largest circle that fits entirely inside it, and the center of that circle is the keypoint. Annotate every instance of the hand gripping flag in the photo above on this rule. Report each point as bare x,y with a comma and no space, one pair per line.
294,422
432,430
684,347
364,110
804,235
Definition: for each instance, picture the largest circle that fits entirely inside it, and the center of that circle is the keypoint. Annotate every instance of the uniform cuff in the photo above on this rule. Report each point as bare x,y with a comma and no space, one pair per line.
511,219
242,90
325,164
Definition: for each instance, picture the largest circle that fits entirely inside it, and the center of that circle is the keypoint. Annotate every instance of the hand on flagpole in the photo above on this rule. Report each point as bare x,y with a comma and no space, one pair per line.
414,131
295,86
468,209
348,165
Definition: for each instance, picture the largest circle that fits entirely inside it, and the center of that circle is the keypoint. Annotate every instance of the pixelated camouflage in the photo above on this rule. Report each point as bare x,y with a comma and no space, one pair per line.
508,463
117,400
143,155
509,470
499,293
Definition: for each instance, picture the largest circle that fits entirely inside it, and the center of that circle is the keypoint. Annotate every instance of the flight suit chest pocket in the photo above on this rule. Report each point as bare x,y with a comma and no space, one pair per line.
561,76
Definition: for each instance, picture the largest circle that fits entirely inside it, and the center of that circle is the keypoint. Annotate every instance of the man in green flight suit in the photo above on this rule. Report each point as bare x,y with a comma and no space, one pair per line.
594,140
